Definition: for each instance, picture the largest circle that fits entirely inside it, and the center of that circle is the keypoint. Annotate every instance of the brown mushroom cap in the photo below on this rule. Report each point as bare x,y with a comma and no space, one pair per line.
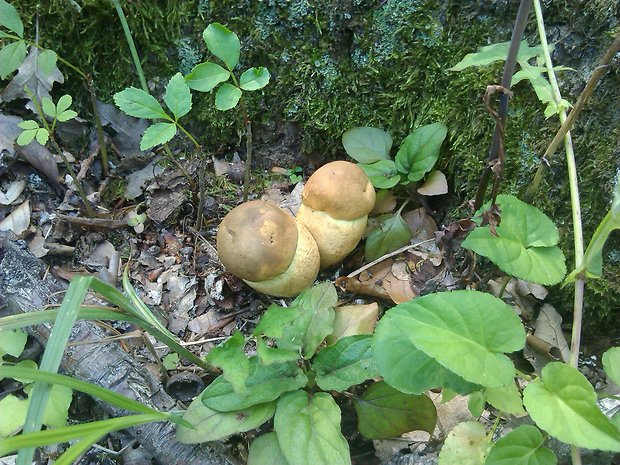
341,189
257,240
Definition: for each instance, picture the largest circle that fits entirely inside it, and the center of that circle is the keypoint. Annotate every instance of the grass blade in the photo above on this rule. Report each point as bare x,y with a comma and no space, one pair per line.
77,449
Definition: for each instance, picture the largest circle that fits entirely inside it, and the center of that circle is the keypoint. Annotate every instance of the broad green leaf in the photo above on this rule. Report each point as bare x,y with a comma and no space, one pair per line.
407,368
47,62
522,446
346,363
57,409
476,403
525,245
353,319
506,399
210,425
321,295
13,416
384,412
28,124
265,383
223,43
254,78
136,102
270,355
230,357
12,342
563,403
205,76
9,18
26,137
308,429
66,115
48,107
64,103
366,144
265,450
42,136
382,174
420,150
466,444
391,234
611,364
27,364
447,325
275,319
11,57
157,134
496,52
178,97
227,97
170,361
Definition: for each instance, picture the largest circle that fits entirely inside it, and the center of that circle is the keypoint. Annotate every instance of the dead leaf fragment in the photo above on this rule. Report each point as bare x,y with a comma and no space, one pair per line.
37,246
13,191
385,202
435,184
42,160
354,319
9,132
19,219
128,129
421,224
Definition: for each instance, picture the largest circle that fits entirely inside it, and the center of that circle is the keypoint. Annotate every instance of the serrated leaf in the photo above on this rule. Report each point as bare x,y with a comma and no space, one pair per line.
265,450
26,137
420,150
12,342
611,364
136,102
270,355
525,245
211,425
346,363
384,412
227,97
42,136
48,107
265,383
496,52
353,319
563,403
506,399
64,103
66,115
205,76
366,144
466,444
178,97
382,174
156,134
391,234
223,43
407,368
9,18
230,357
47,62
308,429
447,325
11,57
522,446
254,78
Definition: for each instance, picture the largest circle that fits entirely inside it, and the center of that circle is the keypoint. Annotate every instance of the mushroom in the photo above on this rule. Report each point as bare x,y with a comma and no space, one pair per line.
263,245
335,204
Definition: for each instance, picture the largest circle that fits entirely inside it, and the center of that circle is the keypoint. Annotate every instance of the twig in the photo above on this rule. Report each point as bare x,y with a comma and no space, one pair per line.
93,222
195,343
386,256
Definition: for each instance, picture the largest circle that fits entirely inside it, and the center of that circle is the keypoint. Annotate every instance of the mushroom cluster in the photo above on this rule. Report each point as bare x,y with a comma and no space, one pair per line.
279,255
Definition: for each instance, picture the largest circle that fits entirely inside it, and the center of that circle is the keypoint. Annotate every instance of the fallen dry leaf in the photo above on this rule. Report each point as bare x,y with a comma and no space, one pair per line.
421,224
13,191
41,159
128,129
435,184
19,219
9,132
385,202
37,246
354,319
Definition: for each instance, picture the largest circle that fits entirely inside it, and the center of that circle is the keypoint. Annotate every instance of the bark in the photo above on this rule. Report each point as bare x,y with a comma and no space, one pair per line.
25,286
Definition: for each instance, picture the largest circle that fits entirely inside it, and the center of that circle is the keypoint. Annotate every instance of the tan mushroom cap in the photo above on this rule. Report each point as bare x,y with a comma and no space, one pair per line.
341,189
257,240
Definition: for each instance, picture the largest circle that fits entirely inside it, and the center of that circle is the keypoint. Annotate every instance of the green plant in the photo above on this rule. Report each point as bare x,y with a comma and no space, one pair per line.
295,175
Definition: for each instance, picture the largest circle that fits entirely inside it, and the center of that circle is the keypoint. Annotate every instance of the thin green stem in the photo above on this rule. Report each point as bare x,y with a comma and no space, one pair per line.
132,45
100,136
184,131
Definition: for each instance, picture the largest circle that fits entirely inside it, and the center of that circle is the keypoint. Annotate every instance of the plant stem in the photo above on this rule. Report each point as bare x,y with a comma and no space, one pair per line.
100,136
132,45
175,162
248,149
509,68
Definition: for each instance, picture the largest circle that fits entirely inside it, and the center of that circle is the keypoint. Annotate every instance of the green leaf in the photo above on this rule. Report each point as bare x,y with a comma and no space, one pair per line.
346,363
476,403
563,403
522,446
254,78
230,357
137,103
382,174
265,450
157,134
265,383
27,364
420,150
366,144
506,399
48,107
66,115
170,361
11,57
611,364
9,18
28,124
227,97
14,415
407,368
270,355
391,234
64,103
205,76
525,245
57,409
308,429
178,97
210,425
42,136
12,342
466,444
223,43
447,325
47,62
275,320
26,137
496,52
384,412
